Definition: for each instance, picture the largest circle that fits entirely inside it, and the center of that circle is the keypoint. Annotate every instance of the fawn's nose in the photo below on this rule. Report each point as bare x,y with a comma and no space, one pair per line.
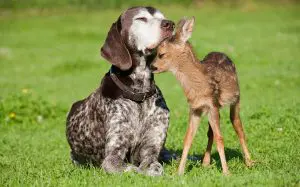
153,68
167,24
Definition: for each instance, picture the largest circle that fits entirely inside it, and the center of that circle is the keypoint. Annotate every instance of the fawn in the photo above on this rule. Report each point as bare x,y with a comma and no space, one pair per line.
208,85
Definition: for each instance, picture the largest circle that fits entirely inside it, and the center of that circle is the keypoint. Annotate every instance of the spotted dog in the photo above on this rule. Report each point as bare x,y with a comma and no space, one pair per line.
122,125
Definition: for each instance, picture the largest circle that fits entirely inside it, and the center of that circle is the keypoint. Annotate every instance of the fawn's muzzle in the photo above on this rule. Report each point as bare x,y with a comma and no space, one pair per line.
153,68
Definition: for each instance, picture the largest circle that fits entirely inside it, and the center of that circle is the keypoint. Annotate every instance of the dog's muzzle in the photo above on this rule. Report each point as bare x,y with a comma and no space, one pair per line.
167,25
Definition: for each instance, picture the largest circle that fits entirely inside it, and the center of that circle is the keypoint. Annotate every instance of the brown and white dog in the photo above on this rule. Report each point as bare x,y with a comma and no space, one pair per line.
122,125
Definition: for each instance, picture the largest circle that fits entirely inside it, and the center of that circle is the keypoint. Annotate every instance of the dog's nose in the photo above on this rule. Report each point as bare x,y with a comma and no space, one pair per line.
167,24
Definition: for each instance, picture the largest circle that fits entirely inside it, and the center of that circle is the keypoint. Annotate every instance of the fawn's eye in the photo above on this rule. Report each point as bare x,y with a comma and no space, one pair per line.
142,19
160,55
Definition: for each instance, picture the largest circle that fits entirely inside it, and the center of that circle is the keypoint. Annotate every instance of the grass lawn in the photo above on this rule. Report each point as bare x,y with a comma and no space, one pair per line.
49,60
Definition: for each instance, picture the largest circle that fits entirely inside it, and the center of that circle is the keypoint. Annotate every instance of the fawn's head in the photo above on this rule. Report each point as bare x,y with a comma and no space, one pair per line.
175,50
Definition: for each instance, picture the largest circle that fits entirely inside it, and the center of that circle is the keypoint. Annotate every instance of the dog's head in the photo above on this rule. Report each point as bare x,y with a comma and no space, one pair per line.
137,30
174,51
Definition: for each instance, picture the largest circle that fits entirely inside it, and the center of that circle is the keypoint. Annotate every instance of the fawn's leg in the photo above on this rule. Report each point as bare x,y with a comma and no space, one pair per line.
207,154
190,134
214,121
238,127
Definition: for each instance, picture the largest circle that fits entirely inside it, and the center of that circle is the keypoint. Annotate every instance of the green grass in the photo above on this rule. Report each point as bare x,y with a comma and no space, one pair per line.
102,4
50,59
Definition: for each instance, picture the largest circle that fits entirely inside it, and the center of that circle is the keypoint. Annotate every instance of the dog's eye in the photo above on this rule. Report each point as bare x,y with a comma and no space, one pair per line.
142,19
161,55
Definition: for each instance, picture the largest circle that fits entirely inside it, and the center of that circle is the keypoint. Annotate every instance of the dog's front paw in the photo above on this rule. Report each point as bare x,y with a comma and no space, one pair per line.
113,164
131,168
154,169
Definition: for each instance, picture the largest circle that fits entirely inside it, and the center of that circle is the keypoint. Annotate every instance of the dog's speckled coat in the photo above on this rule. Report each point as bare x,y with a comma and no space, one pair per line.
111,131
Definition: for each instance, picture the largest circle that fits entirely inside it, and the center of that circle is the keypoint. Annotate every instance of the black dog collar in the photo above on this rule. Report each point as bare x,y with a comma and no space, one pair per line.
130,93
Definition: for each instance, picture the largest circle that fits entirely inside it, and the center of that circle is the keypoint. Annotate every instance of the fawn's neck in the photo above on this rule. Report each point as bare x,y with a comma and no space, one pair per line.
190,75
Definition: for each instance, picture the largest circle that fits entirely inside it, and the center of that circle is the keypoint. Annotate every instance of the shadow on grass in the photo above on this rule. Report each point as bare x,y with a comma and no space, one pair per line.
167,156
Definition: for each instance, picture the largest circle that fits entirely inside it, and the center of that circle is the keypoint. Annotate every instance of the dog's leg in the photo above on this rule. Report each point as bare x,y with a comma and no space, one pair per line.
153,137
207,154
115,153
214,121
189,136
118,139
238,127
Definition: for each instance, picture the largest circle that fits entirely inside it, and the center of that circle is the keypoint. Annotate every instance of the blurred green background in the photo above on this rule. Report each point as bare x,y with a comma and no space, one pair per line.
49,58
125,3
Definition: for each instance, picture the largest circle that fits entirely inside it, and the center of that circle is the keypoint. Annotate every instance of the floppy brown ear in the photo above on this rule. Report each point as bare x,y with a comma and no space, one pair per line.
184,29
114,49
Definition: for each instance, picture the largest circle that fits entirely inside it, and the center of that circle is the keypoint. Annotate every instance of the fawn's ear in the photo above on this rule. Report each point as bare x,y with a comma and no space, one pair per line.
184,29
114,49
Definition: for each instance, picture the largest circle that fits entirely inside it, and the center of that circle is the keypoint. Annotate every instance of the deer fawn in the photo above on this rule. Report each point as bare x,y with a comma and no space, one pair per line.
208,85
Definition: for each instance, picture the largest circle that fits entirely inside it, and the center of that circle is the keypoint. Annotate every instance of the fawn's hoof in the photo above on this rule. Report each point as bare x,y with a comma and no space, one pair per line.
206,162
226,173
180,171
250,163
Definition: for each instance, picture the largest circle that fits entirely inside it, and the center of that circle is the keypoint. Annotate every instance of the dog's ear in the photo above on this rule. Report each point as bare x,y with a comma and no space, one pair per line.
184,29
114,49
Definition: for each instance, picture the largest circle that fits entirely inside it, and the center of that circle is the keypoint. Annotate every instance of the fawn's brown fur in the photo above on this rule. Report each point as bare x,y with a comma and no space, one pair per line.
208,85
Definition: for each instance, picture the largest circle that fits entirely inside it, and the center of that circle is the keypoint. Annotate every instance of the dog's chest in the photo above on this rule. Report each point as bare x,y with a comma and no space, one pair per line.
142,119
141,76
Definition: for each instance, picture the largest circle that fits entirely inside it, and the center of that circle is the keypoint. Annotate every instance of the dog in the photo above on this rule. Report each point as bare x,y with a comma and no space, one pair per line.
122,125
